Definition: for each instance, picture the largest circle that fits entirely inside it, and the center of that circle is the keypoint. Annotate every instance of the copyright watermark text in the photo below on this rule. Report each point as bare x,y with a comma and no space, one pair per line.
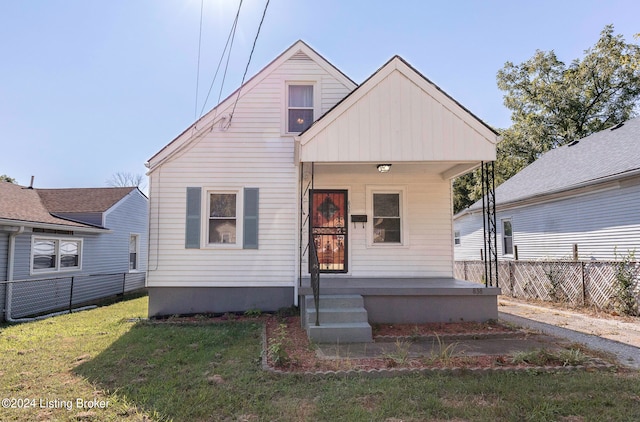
42,403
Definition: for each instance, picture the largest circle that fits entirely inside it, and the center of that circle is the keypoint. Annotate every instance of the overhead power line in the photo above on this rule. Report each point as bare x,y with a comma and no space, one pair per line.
255,40
229,45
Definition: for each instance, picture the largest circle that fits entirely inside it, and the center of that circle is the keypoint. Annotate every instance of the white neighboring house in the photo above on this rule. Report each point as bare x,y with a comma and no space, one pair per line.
586,193
234,198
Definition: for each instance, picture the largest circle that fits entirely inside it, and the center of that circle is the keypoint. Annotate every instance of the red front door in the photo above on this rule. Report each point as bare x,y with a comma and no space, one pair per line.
328,210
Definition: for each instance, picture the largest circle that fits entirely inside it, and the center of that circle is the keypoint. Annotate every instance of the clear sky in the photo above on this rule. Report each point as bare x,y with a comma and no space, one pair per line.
90,88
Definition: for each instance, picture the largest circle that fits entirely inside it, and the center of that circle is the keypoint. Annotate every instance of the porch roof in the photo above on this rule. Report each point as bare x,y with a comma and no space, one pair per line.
398,115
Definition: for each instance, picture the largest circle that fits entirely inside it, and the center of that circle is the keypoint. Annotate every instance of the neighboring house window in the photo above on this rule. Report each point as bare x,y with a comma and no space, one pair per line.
222,218
507,238
51,254
133,251
299,107
387,218
456,237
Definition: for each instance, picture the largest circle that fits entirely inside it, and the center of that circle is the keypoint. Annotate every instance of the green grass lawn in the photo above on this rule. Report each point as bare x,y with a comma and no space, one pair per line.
211,372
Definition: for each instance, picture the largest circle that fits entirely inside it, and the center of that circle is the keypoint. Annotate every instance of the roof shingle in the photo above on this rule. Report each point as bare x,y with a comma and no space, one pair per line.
610,152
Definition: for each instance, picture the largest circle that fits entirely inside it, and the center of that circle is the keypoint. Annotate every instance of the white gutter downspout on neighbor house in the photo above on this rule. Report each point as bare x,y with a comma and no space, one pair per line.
10,259
7,307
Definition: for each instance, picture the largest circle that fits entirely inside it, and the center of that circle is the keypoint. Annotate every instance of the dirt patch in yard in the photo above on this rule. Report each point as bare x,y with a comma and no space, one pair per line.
288,349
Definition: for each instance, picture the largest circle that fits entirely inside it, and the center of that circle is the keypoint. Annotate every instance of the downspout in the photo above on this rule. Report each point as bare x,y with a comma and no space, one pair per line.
10,259
8,295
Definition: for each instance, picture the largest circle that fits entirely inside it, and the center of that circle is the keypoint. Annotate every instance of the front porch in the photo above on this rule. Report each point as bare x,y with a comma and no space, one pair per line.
412,300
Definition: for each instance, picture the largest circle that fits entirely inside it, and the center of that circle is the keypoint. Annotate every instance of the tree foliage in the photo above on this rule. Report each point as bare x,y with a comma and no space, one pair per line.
5,178
553,104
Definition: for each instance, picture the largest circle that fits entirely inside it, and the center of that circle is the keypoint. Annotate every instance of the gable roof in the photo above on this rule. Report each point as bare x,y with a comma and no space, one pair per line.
609,154
216,114
81,200
420,119
23,206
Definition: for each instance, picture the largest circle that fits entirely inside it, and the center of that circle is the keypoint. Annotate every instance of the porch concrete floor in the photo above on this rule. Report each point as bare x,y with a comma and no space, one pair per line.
330,284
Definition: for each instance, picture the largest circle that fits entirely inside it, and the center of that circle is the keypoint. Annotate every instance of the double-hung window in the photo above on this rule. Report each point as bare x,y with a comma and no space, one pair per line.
507,237
387,218
134,244
54,254
223,218
226,219
299,107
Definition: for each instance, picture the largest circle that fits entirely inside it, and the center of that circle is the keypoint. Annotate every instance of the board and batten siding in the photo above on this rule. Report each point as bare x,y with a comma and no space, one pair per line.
428,251
602,223
250,153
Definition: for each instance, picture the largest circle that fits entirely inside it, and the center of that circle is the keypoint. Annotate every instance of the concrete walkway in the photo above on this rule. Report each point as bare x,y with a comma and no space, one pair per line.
618,337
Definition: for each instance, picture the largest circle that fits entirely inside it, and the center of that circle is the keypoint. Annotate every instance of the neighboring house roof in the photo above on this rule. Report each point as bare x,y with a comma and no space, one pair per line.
21,205
608,154
80,200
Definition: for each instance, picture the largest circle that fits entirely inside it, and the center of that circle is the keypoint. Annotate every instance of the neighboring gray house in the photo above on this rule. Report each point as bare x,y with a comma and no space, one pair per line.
56,234
586,193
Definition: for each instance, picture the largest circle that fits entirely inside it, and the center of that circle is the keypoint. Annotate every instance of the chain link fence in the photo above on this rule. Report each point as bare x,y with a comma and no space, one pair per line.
29,298
576,283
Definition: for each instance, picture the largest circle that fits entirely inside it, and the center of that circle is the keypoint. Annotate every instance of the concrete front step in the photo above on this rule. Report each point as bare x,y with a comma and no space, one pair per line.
336,301
337,315
354,332
343,319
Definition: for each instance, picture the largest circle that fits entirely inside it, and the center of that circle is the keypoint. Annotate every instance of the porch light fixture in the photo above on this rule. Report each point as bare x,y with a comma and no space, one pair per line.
384,168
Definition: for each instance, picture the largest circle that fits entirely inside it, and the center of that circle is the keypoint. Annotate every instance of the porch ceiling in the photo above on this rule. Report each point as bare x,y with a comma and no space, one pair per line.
444,169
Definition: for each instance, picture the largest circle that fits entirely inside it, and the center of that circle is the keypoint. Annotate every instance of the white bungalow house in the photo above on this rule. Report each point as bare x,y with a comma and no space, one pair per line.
578,201
301,149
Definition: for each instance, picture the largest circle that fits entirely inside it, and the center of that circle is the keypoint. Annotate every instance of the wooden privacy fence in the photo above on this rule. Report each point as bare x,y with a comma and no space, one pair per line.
578,283
27,298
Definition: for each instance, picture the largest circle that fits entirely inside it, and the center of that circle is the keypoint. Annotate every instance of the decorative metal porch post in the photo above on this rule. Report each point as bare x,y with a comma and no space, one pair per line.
490,226
305,224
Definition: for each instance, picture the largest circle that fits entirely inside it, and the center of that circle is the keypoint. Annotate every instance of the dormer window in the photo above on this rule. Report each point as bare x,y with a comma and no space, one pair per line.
299,108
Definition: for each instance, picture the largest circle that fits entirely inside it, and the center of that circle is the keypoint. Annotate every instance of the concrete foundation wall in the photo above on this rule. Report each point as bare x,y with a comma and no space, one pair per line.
194,300
422,309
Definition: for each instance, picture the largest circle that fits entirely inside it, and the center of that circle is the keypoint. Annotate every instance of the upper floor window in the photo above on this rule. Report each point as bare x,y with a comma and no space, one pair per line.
507,238
299,108
456,237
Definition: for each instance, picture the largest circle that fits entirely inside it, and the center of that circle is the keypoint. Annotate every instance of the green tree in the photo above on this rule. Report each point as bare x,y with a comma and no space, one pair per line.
553,104
5,178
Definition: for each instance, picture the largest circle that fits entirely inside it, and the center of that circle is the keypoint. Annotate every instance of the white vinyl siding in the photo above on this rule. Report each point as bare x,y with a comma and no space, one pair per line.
599,222
428,250
251,152
424,124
